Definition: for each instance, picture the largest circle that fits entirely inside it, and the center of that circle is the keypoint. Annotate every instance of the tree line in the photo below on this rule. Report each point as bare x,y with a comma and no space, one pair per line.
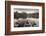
25,15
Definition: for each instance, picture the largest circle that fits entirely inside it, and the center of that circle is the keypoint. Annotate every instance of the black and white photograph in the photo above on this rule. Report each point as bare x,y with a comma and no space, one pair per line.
26,17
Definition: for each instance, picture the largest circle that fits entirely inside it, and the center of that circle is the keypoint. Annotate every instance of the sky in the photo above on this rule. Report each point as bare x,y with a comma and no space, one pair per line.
26,10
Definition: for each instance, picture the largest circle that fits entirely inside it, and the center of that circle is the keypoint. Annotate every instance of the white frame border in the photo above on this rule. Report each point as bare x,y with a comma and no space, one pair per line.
28,28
